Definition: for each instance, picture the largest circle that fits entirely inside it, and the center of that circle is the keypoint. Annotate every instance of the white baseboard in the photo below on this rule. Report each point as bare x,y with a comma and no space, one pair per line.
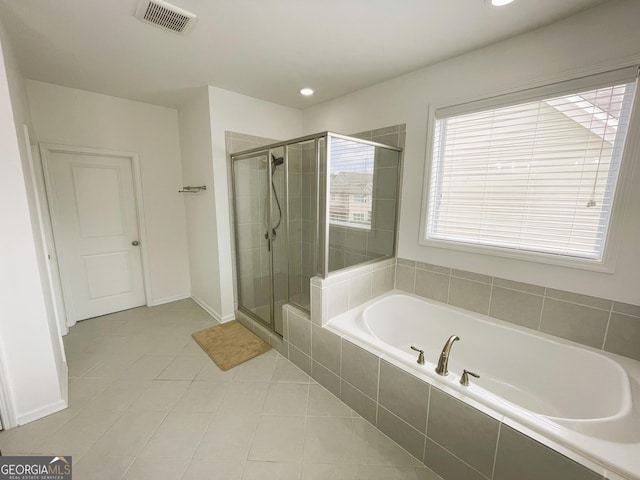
216,315
41,412
162,301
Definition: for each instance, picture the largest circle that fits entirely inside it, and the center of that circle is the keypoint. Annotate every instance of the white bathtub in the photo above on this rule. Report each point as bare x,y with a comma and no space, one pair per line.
575,399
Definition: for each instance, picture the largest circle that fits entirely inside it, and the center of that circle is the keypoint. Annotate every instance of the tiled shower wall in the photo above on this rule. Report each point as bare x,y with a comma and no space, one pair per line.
301,220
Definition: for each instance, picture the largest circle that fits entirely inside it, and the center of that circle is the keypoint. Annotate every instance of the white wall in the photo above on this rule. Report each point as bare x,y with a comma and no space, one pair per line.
32,362
599,39
197,169
239,113
68,116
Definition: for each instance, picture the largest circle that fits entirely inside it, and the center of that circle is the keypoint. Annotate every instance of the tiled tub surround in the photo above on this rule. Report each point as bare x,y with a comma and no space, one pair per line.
592,321
392,399
575,398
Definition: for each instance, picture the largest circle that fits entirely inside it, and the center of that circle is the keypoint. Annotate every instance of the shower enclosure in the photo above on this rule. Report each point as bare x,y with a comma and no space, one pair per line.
306,207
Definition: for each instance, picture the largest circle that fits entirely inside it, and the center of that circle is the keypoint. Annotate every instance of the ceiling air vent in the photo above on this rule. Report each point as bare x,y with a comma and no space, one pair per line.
165,15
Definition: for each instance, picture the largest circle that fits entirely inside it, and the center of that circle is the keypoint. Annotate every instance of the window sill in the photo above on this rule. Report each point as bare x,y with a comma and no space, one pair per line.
603,266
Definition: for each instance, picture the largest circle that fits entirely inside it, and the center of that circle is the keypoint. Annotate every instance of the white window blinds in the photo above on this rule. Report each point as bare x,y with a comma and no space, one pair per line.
351,183
536,175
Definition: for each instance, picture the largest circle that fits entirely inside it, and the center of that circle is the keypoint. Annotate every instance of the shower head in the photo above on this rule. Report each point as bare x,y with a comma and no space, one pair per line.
276,160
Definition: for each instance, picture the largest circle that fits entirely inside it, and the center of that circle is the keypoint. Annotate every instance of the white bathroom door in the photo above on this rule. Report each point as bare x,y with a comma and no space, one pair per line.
95,227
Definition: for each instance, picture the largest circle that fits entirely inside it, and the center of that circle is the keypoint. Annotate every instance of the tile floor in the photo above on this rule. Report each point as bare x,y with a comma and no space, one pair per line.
146,403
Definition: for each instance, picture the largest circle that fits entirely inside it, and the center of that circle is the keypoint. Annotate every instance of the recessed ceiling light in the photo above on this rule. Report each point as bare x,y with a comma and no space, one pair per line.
306,92
500,3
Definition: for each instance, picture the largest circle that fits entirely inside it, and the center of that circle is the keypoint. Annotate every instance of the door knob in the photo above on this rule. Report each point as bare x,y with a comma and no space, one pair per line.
135,243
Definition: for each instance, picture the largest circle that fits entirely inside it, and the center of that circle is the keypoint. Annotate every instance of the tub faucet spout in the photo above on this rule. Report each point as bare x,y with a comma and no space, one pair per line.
443,361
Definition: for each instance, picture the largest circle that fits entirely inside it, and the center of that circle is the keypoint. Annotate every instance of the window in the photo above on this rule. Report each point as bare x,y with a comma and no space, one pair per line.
534,172
351,183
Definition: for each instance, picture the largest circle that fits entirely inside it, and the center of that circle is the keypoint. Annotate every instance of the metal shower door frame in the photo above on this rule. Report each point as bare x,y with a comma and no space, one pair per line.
322,184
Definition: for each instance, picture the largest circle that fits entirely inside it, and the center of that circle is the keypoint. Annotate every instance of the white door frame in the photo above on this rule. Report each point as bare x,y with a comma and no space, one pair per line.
46,150
46,231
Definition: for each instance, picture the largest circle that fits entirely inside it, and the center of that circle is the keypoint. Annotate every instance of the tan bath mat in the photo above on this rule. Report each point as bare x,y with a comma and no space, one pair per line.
230,344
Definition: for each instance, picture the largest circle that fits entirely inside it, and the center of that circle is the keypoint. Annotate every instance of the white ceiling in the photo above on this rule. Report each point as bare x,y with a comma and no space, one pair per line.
267,49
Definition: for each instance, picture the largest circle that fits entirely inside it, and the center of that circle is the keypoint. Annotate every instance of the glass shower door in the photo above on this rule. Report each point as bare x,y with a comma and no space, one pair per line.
260,216
251,181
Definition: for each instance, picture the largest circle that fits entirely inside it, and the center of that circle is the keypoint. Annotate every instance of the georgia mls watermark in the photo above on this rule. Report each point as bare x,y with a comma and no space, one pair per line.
35,468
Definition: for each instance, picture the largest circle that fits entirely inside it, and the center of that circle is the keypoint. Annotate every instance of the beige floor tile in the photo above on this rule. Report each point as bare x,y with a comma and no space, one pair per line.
91,467
108,344
278,439
323,471
286,399
258,369
78,434
160,396
259,420
27,438
329,440
119,396
148,366
211,372
374,447
75,343
192,348
129,434
157,469
207,469
83,389
178,436
228,437
322,403
114,364
285,371
202,397
244,397
272,471
183,367
80,363
165,344
378,472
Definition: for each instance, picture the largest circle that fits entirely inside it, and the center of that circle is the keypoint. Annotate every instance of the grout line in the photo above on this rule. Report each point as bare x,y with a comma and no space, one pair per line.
459,459
544,299
378,389
306,421
428,410
495,455
491,286
606,330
